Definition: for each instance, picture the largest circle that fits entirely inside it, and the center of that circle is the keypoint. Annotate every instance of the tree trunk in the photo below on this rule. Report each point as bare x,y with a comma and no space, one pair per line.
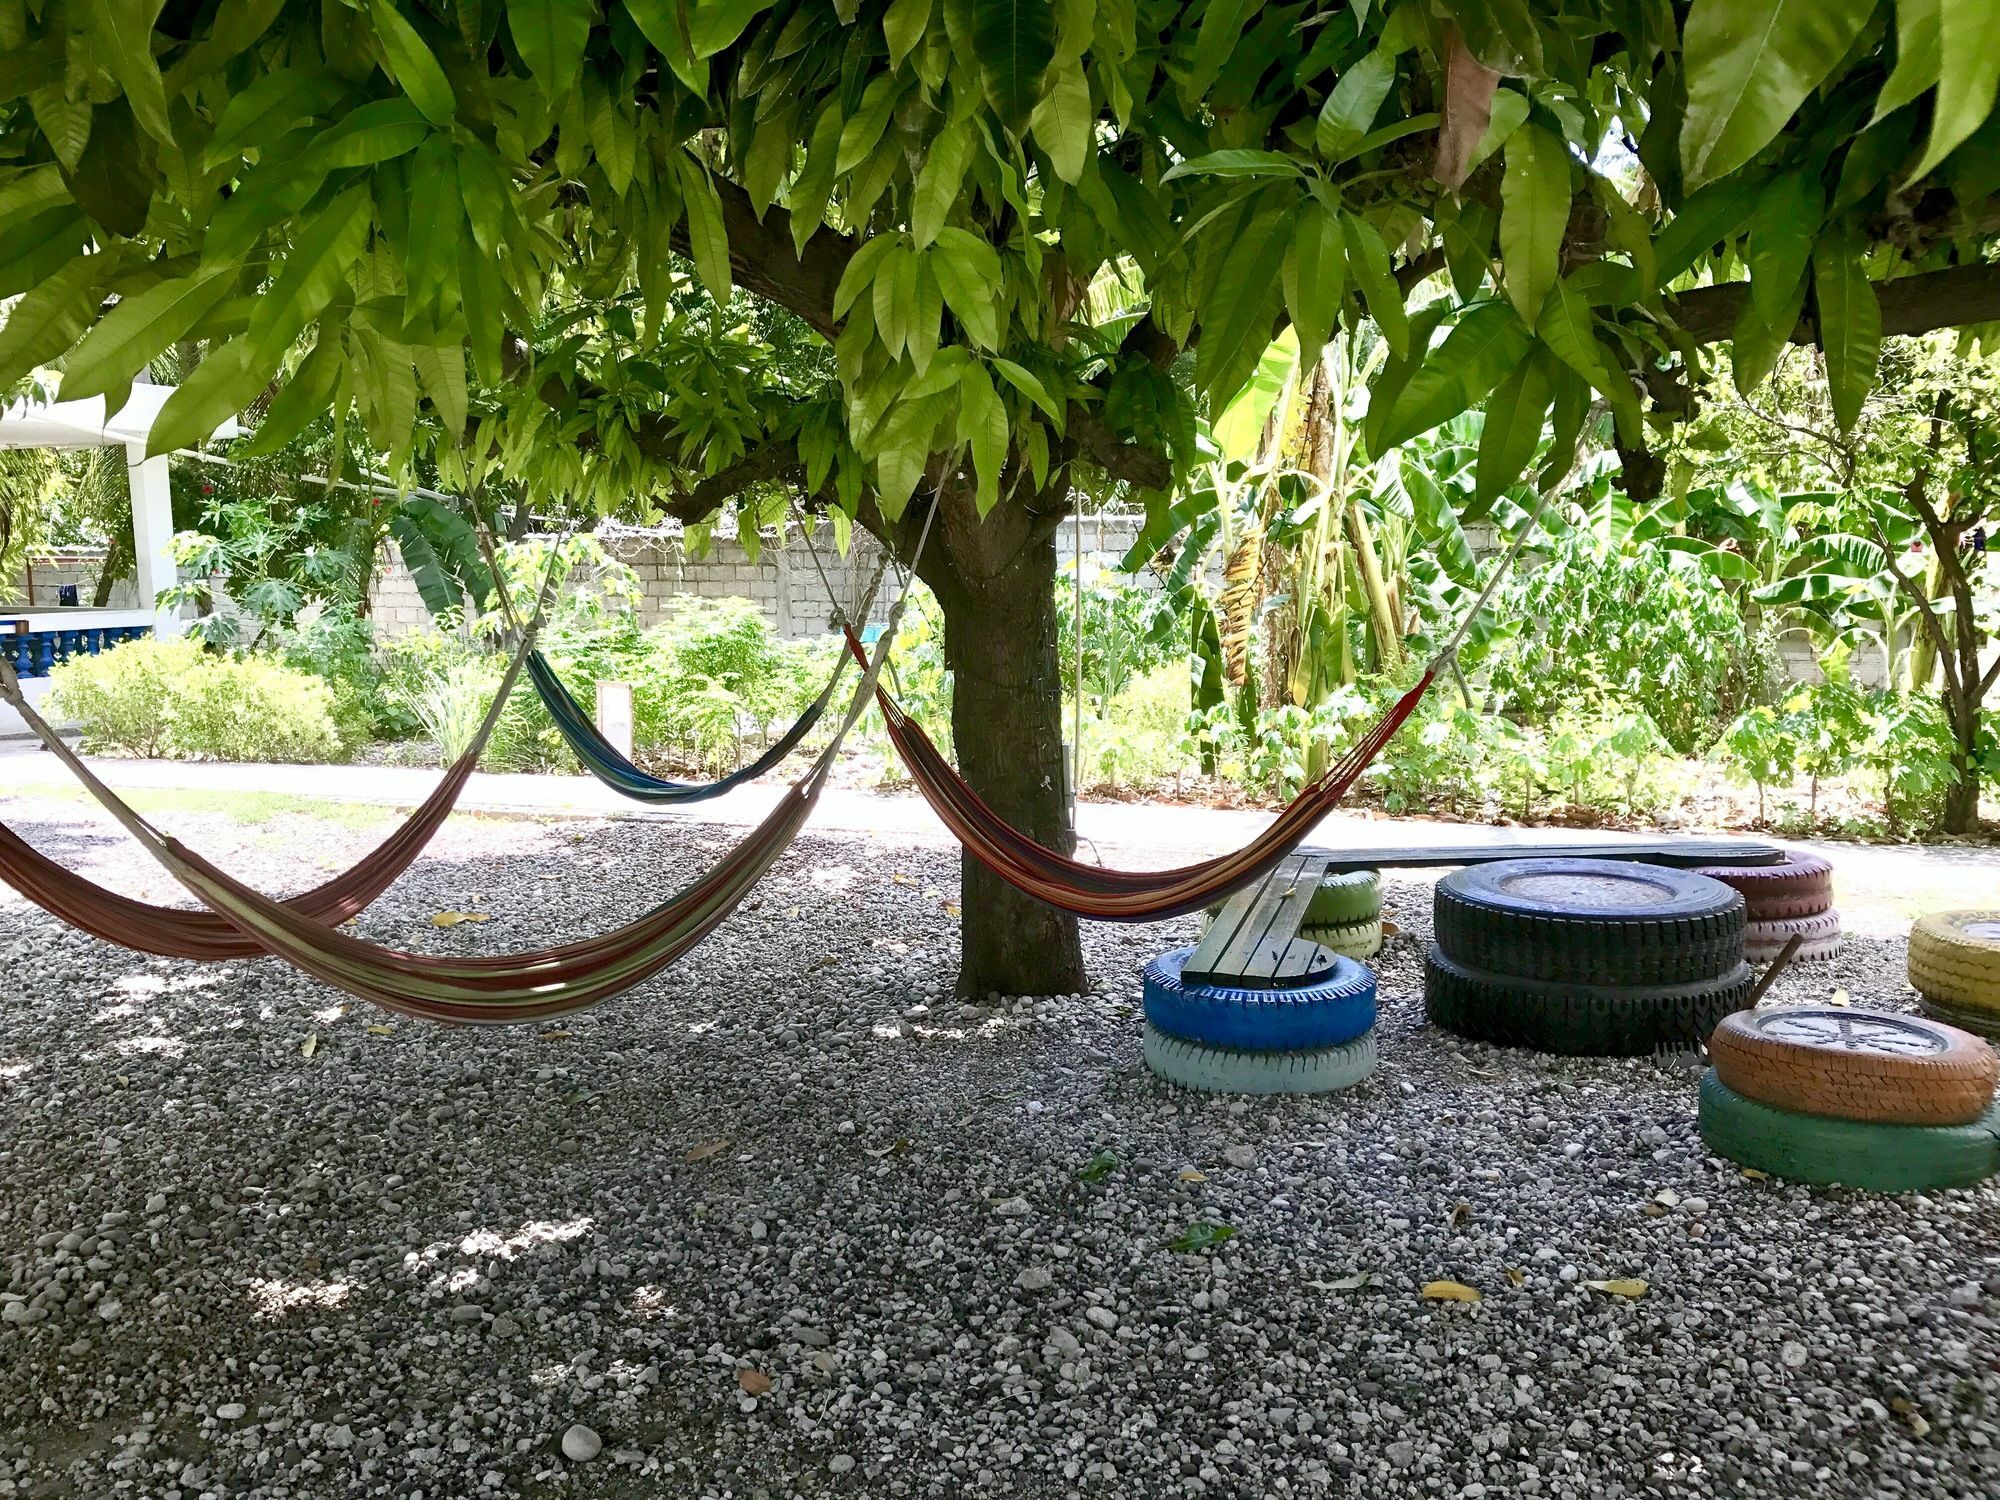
996,582
1961,799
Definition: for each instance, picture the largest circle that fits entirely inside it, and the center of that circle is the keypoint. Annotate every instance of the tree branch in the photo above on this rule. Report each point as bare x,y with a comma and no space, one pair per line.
1917,596
1921,303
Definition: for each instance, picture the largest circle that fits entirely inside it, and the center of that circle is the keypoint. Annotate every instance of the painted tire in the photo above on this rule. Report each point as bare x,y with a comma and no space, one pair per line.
1849,1064
1955,959
1577,1020
1590,922
1764,941
1800,886
1357,940
1223,1070
1338,1009
1849,1153
1981,1021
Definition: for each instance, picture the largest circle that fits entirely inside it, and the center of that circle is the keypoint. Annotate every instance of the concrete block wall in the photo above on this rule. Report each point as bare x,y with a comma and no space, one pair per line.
37,585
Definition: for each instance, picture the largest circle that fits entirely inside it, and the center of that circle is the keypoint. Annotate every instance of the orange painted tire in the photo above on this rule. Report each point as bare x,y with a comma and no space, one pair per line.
1842,1063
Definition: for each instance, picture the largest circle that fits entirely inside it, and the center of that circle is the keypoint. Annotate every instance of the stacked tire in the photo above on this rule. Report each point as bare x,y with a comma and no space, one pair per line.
1859,1098
1345,916
1584,957
1312,1038
1791,898
1955,965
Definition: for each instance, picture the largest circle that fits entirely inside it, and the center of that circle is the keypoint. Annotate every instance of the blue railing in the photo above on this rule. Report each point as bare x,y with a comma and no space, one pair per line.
36,653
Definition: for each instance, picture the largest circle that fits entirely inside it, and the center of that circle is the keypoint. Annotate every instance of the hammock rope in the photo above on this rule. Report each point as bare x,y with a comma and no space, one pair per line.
1110,895
203,936
535,985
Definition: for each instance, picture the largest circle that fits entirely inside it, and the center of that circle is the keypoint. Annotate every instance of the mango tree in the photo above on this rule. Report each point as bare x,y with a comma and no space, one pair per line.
470,218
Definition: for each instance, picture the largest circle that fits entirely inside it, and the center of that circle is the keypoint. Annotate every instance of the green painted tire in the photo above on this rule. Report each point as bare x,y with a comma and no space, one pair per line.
1356,940
1847,1153
1224,1070
1345,900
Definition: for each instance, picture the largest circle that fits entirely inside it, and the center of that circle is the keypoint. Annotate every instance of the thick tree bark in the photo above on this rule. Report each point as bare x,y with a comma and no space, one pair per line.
996,582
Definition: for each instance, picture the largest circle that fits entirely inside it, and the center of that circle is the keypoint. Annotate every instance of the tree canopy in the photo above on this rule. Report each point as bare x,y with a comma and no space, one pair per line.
1009,221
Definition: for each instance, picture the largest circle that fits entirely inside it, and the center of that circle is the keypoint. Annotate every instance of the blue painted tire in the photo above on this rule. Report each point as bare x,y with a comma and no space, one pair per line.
1338,1009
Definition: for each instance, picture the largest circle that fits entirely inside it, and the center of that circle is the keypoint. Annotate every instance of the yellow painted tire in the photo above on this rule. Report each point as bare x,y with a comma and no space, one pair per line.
1955,958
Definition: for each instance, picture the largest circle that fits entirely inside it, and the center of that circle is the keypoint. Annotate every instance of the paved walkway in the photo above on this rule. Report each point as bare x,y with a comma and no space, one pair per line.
1882,886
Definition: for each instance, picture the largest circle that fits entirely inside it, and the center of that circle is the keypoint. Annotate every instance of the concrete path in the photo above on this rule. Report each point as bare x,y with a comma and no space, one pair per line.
1882,886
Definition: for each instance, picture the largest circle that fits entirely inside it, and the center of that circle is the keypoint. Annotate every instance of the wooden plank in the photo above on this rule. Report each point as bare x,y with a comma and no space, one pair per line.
1281,954
1224,961
1678,852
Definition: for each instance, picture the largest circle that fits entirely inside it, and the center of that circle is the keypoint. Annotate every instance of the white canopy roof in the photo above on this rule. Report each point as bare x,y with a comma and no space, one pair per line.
83,424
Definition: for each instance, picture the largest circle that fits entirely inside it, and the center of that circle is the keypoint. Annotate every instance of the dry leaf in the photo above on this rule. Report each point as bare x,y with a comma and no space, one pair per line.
754,1382
1756,1174
1461,1213
895,1148
1653,1211
901,879
705,1150
1190,1174
1448,1291
1468,110
380,1030
951,909
1630,1286
555,1034
453,918
1353,1283
1515,1277
1389,929
1840,998
791,911
310,1045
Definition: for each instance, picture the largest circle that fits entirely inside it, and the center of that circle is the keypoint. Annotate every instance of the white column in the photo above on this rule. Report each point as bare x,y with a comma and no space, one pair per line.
153,534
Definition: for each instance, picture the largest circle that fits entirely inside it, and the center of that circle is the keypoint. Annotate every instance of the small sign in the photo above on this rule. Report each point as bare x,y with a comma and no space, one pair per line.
614,715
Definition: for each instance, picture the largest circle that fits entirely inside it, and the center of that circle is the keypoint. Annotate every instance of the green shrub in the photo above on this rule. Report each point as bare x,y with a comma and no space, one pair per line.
170,698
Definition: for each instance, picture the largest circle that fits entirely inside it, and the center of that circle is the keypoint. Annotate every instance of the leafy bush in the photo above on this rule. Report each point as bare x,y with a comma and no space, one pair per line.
1908,752
170,698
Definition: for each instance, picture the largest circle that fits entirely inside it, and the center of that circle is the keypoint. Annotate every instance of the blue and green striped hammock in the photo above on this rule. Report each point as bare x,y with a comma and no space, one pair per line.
604,762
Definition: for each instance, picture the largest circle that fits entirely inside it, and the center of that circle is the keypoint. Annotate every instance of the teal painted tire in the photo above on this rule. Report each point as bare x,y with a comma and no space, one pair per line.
1355,940
1342,900
1224,1070
1847,1153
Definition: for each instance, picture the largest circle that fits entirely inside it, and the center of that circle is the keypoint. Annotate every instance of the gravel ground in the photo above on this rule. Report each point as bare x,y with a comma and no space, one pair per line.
794,1222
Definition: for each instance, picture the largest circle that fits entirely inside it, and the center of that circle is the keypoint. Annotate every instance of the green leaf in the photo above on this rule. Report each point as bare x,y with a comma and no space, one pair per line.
1368,259
1489,341
49,319
612,136
1717,213
1757,339
864,127
302,400
140,329
314,270
982,423
415,69
860,271
1030,385
31,191
1750,64
895,295
903,27
223,384
1314,275
375,132
1919,56
1098,1168
1064,120
715,24
124,43
1969,72
1235,163
939,182
1515,414
1352,106
708,243
1534,213
1014,42
813,186
1572,409
1782,231
269,108
443,371
551,35
485,319
34,249
768,158
1237,319
1201,1236
1850,324
968,273
65,122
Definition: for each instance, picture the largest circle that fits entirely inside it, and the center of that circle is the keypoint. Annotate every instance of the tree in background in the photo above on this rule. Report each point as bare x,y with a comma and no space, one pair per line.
353,203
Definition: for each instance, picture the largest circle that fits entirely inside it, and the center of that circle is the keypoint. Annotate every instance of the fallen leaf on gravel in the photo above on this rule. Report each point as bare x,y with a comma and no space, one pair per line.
453,918
754,1382
1449,1291
1756,1175
791,911
1515,1277
1461,1213
556,1035
379,1030
951,909
895,1148
310,1045
1390,929
1631,1286
1200,1236
1192,1174
1352,1283
705,1150
1097,1168
1653,1211
901,879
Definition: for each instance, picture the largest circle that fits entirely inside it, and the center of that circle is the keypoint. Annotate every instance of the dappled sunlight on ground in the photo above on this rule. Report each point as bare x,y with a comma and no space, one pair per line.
274,1299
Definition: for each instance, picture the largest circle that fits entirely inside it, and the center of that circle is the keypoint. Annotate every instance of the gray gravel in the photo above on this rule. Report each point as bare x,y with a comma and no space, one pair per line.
794,1222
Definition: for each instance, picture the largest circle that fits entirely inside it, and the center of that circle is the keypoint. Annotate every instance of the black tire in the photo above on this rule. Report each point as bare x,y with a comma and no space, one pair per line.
1590,921
1577,1020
